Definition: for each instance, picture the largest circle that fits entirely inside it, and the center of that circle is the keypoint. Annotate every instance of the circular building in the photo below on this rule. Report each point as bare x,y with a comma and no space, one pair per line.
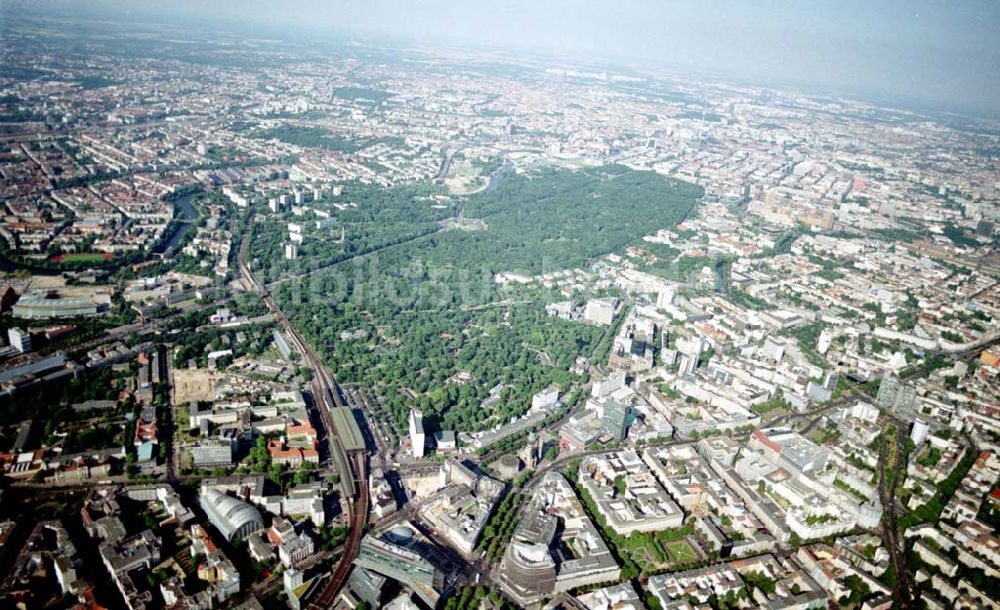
401,535
528,572
508,466
234,518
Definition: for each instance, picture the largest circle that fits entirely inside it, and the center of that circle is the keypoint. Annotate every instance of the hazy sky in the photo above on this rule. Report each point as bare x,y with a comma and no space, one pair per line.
940,52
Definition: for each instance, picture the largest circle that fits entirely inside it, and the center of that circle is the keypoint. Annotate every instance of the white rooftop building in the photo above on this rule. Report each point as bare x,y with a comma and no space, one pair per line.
417,435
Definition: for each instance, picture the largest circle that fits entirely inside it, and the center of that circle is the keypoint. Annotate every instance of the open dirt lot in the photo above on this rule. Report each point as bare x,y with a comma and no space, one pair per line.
191,385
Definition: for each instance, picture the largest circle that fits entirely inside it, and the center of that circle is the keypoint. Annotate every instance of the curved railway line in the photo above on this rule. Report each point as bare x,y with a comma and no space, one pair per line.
352,466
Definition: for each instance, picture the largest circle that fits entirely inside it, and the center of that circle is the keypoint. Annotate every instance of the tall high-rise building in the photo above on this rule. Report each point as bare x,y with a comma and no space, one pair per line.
417,436
688,364
984,228
19,339
830,380
919,431
665,298
615,421
690,350
895,394
292,579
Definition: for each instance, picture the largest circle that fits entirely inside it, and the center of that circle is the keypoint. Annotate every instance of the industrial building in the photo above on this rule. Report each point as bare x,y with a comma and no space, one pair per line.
37,306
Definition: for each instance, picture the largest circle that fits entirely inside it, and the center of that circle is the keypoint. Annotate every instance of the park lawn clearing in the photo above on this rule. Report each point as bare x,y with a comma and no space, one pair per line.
680,551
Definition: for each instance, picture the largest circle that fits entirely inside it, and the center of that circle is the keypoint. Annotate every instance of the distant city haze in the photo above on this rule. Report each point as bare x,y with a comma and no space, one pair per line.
942,55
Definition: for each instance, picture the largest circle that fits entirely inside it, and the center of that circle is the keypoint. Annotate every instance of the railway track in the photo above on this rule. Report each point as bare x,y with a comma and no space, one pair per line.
354,484
359,517
889,458
373,412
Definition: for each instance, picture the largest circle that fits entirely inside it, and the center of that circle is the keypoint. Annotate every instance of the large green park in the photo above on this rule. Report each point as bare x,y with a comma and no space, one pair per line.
421,302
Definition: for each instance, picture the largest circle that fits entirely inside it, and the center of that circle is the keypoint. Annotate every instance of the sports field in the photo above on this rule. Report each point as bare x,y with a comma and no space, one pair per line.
82,257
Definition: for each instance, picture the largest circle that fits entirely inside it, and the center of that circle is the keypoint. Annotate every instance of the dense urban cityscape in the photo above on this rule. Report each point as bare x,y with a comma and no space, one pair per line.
303,324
